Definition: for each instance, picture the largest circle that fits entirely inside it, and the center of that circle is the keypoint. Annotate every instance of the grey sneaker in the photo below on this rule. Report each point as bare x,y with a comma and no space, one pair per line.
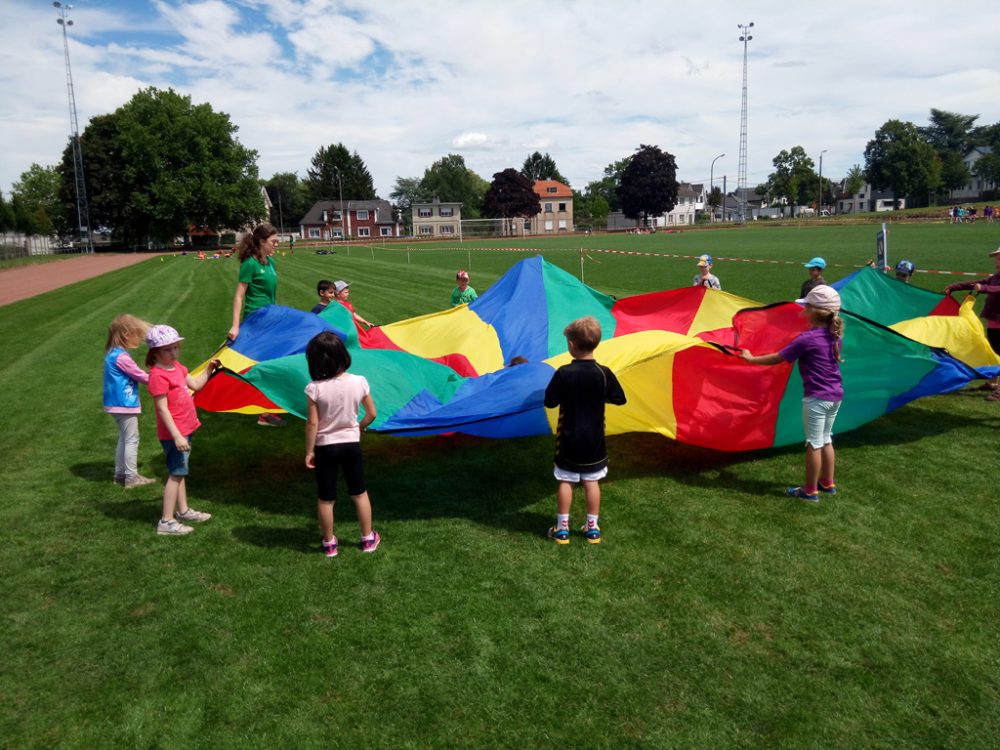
192,515
172,528
136,481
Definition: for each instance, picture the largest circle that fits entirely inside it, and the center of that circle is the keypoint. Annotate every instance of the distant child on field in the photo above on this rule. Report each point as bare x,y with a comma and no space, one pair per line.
333,436
462,294
815,268
326,294
818,353
342,293
705,277
176,421
580,390
121,395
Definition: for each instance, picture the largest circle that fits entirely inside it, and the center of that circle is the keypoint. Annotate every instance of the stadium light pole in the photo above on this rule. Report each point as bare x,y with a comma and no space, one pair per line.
82,208
819,203
711,180
741,175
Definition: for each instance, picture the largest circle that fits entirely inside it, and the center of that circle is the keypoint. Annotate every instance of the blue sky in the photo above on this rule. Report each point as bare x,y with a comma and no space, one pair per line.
405,83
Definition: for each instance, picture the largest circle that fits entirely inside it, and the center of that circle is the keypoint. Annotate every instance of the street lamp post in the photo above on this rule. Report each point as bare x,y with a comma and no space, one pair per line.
711,176
819,203
340,188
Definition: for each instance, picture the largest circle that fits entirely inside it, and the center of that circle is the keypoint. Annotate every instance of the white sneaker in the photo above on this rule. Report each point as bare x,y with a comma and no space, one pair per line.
192,515
172,528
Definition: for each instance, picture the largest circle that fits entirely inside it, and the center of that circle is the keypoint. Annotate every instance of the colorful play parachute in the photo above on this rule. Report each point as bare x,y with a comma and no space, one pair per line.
675,353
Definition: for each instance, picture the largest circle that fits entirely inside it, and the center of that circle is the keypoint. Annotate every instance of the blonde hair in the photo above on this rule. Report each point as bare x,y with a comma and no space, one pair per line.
831,321
585,332
121,330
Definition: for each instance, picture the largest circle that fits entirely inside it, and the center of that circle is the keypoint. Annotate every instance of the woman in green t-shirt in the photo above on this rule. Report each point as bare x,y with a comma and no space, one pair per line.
258,283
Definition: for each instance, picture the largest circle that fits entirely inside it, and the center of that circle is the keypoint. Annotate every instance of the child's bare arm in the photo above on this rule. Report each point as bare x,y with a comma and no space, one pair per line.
168,421
197,382
762,359
312,427
370,412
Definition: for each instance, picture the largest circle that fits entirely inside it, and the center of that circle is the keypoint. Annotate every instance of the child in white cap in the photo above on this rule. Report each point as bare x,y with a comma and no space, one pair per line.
176,421
818,353
705,277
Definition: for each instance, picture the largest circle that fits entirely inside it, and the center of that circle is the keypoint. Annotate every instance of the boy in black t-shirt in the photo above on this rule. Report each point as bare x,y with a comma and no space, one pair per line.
580,390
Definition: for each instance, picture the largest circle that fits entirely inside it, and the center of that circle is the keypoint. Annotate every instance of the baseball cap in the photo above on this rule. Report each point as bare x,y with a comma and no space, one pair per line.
905,266
704,260
822,297
816,262
162,335
340,285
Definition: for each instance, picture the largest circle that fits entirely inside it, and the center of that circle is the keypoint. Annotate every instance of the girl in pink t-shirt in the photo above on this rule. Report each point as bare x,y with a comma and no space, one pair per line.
176,421
333,435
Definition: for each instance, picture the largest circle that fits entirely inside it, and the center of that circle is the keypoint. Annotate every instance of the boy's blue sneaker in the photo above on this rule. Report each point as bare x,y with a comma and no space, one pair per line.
559,536
592,535
829,489
801,494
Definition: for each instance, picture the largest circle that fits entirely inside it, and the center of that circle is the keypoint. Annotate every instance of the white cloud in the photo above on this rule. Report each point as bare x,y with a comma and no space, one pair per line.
406,83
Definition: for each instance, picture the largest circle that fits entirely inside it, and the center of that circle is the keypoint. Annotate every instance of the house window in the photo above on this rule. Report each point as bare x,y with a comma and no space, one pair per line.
424,213
337,216
562,207
426,229
313,233
364,232
548,226
683,219
548,208
446,211
362,215
338,234
447,229
562,225
551,189
385,231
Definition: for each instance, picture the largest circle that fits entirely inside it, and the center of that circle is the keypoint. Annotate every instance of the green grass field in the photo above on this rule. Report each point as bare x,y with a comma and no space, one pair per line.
716,614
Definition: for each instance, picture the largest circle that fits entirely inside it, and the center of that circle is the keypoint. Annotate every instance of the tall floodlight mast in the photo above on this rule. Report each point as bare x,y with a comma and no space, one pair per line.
82,210
741,177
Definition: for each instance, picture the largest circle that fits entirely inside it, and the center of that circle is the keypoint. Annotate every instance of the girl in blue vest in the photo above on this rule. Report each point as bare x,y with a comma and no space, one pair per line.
121,395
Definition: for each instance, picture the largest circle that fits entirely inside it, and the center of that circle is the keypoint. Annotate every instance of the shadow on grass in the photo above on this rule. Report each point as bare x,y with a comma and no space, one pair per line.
295,538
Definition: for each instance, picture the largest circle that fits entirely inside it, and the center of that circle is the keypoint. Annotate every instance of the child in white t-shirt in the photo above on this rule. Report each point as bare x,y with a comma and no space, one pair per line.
333,435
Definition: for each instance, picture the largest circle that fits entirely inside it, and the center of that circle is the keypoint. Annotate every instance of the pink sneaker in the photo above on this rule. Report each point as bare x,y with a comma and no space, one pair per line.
370,545
329,548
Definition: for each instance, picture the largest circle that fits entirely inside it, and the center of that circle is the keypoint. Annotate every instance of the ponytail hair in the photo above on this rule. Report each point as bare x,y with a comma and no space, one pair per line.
832,321
252,242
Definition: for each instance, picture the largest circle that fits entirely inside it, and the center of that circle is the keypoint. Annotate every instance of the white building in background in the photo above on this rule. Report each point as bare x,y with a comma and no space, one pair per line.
437,219
867,200
977,185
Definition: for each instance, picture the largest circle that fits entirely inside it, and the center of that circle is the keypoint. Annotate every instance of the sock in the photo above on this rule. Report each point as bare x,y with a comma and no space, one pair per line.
562,520
826,482
368,538
591,521
809,490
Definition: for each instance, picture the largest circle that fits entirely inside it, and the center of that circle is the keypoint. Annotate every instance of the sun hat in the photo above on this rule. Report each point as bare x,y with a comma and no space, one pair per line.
340,285
704,260
905,266
822,297
162,335
816,262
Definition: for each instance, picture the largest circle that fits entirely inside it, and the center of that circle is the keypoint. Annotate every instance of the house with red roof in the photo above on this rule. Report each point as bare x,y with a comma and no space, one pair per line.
556,215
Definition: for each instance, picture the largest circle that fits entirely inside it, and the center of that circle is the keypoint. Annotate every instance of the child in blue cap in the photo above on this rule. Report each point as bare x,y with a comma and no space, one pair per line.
815,266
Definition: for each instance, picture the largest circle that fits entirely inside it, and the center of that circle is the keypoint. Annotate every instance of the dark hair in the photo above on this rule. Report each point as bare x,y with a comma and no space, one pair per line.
327,356
323,285
251,242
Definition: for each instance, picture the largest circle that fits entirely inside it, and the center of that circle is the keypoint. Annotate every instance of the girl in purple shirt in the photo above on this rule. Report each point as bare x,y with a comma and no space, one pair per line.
818,354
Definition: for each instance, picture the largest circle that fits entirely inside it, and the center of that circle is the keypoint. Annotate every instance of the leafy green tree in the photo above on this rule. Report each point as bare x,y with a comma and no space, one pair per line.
649,183
714,199
538,167
289,200
39,188
855,180
899,159
511,195
405,193
793,178
954,173
336,170
590,211
607,186
449,180
6,215
159,164
988,165
949,132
